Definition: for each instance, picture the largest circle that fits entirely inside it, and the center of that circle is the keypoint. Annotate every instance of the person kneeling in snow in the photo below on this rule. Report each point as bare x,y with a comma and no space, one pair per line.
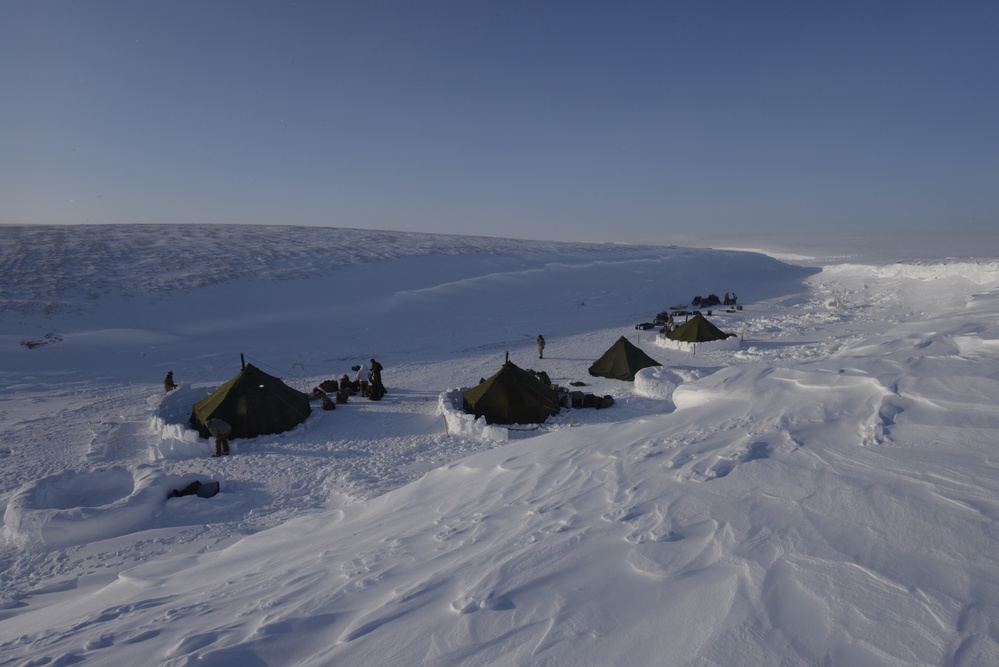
220,430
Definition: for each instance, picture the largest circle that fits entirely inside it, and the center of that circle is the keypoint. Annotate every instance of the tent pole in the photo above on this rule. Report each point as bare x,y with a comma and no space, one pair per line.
242,362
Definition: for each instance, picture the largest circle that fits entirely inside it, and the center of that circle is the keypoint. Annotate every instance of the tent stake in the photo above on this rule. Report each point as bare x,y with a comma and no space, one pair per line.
446,434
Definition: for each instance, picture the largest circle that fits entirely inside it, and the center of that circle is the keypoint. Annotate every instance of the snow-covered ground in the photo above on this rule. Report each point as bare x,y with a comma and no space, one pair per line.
822,493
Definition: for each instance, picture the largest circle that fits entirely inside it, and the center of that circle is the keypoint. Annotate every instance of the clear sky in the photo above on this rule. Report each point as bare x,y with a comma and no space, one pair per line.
532,119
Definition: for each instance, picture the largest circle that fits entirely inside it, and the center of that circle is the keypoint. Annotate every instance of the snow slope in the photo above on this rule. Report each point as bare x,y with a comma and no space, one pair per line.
822,494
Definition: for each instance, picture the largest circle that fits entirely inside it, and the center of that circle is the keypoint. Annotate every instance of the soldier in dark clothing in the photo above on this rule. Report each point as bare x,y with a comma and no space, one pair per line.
168,382
376,389
541,347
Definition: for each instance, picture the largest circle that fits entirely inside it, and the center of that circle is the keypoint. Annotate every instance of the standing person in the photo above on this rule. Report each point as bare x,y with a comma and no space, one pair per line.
221,431
377,389
541,347
168,382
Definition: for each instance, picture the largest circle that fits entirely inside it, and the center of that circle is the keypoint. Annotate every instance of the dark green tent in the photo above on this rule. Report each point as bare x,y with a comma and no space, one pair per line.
511,396
253,403
697,330
621,361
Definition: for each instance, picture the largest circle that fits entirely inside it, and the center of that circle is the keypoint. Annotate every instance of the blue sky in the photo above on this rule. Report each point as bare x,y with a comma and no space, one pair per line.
545,120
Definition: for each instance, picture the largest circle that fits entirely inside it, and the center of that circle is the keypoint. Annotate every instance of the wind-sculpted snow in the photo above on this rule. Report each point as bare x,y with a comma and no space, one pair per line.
821,494
275,293
61,268
77,507
984,273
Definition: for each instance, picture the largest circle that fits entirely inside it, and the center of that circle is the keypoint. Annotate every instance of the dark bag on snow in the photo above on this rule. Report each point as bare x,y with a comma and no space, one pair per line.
196,488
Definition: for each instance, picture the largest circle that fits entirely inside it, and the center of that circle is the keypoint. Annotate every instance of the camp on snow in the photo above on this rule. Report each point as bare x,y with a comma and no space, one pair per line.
697,330
621,361
511,396
253,403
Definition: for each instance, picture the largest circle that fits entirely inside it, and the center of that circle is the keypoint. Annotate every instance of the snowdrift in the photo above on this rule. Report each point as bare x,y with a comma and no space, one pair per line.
823,495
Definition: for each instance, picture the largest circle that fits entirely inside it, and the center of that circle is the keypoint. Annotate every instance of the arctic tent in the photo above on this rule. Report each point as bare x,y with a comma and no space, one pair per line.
511,396
621,361
253,403
697,330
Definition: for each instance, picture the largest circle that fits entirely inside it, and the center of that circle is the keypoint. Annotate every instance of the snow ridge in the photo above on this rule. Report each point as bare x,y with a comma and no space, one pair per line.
822,493
55,267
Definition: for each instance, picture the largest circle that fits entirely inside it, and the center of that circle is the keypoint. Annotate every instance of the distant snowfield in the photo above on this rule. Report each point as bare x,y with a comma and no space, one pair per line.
821,491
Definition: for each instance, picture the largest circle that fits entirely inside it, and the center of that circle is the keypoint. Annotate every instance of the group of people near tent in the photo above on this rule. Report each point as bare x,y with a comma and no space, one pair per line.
521,396
712,300
372,388
254,403
517,396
